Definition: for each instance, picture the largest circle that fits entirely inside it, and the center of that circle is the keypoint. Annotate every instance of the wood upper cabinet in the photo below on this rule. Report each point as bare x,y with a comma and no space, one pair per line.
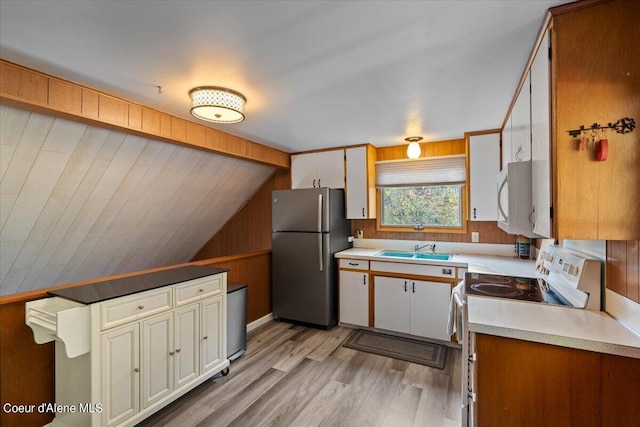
484,165
595,78
318,169
361,182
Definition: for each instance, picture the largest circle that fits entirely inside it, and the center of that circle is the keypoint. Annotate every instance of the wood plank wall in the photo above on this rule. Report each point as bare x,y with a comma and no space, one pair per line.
623,268
32,90
250,228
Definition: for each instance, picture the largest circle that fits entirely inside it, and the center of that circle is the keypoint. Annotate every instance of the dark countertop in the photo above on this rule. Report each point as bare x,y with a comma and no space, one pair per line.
109,289
233,286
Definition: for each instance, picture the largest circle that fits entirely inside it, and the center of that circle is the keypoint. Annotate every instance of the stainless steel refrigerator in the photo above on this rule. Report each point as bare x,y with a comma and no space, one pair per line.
308,228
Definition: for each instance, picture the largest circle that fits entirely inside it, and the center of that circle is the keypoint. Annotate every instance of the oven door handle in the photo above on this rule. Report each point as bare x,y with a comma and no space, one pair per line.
460,317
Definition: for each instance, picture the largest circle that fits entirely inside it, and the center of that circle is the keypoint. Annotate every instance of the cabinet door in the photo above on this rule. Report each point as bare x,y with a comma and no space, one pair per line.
212,325
360,190
430,309
521,125
354,297
506,144
304,170
120,374
157,358
541,140
392,304
187,344
330,165
484,158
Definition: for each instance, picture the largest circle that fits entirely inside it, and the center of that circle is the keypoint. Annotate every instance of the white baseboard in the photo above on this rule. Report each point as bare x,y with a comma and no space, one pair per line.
259,322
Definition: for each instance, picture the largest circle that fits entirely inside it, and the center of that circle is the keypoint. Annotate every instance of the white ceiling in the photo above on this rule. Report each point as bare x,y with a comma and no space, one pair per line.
79,202
316,73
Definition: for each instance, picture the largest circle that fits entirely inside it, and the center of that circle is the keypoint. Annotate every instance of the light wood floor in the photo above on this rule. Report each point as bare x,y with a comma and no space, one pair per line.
297,376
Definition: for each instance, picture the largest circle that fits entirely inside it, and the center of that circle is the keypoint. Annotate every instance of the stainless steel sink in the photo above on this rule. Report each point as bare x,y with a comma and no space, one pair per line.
414,255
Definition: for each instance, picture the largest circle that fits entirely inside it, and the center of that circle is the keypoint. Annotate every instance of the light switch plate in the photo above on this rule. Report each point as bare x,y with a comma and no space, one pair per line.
475,236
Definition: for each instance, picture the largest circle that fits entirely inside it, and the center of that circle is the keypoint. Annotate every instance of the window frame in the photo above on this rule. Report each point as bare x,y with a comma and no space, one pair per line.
407,229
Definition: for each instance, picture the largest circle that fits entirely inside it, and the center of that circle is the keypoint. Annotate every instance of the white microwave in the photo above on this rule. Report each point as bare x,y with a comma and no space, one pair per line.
514,199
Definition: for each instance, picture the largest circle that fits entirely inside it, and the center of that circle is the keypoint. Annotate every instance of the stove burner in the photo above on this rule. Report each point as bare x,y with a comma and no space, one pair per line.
496,289
494,279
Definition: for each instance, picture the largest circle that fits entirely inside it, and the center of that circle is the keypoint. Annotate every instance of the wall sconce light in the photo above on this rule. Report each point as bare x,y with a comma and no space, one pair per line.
413,149
217,104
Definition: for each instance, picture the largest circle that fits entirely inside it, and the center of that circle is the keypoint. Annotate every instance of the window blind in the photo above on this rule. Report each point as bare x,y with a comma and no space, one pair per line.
424,171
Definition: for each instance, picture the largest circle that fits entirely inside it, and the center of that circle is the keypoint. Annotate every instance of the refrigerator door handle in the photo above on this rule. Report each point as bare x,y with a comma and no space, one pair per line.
319,213
320,253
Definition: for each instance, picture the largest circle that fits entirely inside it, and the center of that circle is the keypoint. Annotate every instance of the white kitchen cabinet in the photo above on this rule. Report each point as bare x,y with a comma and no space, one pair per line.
213,324
541,139
157,359
354,297
361,186
120,374
413,307
186,357
392,304
430,309
521,125
506,144
484,166
318,169
129,356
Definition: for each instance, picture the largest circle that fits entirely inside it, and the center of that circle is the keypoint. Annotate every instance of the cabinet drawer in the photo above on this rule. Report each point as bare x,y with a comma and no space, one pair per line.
415,269
127,309
354,264
193,290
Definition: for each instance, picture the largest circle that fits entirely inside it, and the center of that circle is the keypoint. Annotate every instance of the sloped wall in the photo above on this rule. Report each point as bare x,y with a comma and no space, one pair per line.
79,202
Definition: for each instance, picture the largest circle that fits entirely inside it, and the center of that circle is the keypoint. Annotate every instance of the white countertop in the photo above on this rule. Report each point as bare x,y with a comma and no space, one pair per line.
556,325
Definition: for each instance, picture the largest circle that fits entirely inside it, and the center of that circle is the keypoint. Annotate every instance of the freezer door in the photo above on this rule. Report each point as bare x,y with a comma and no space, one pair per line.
301,270
305,210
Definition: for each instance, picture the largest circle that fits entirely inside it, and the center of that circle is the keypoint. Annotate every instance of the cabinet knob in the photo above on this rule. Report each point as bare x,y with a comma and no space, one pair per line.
405,286
205,337
363,213
474,213
177,350
447,271
413,287
319,183
200,290
314,183
355,264
171,353
136,370
364,279
141,307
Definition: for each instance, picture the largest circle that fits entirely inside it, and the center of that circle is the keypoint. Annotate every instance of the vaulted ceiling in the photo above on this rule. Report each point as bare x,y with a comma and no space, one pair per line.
80,202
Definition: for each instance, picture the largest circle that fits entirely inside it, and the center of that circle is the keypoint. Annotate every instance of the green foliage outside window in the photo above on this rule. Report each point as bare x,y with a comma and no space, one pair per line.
423,206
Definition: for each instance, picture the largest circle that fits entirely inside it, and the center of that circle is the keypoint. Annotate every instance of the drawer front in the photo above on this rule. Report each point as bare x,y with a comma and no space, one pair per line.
354,264
415,269
127,309
194,290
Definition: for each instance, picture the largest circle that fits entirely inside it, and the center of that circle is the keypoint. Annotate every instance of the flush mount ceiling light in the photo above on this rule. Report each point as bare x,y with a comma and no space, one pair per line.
217,104
413,149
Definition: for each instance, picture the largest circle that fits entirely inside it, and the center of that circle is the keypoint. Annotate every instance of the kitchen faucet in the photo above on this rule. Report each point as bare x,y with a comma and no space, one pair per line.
431,246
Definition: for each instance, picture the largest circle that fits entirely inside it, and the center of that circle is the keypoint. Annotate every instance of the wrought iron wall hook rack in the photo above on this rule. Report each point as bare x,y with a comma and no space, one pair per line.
624,125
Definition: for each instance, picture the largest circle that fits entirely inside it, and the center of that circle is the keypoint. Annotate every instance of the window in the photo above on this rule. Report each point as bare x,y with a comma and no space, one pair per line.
422,194
421,206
